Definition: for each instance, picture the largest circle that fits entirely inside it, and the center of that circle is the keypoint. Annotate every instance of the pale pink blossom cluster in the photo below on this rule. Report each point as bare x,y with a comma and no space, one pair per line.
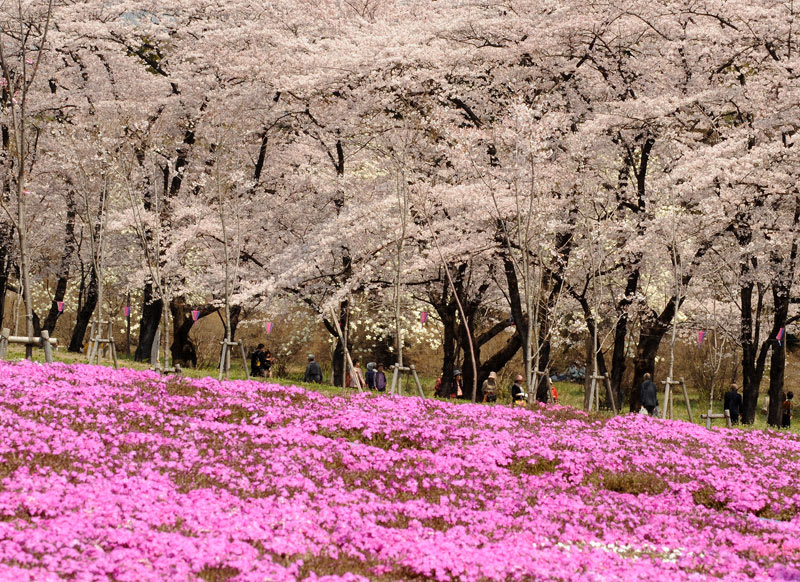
127,476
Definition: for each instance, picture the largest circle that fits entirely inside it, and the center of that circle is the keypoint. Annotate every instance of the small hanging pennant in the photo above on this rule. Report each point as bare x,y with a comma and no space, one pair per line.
268,327
126,311
423,317
60,305
195,314
701,335
779,337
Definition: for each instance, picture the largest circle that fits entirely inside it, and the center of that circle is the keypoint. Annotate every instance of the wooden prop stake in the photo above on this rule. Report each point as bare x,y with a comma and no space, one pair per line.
396,387
709,417
669,407
44,342
105,341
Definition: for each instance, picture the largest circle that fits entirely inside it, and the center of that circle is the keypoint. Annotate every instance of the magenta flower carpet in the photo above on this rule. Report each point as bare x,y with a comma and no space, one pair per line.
124,476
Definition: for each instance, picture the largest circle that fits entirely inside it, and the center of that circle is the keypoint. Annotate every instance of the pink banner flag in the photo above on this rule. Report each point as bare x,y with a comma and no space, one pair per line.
779,337
195,314
423,317
701,335
268,327
126,311
60,305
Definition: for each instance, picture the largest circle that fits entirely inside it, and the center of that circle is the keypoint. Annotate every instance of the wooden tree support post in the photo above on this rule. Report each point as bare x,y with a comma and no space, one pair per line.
47,346
4,343
669,408
594,393
225,358
177,370
102,341
44,342
396,387
709,417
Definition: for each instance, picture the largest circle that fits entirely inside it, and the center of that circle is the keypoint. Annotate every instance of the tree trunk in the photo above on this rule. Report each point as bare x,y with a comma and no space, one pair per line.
777,365
618,359
754,356
236,316
148,324
650,336
183,349
447,310
64,268
6,263
337,364
449,346
84,315
589,365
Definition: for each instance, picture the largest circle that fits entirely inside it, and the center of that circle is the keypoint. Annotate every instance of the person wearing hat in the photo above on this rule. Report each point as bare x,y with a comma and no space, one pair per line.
489,388
380,379
457,391
313,371
517,393
370,375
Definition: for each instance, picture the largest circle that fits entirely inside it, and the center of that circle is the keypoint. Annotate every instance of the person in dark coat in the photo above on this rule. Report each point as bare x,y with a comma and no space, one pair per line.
380,379
517,393
258,362
313,371
370,375
648,395
786,410
733,403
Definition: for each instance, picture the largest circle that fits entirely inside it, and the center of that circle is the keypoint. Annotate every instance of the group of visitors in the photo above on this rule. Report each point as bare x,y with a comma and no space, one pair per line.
375,378
261,362
489,388
648,397
732,402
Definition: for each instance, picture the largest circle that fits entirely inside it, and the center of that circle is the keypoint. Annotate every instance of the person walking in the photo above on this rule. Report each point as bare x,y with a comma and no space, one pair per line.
380,379
732,402
258,362
786,410
648,395
370,375
517,393
313,371
489,388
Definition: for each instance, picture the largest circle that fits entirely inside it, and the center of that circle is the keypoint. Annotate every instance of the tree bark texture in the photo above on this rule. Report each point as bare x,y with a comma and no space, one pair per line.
148,323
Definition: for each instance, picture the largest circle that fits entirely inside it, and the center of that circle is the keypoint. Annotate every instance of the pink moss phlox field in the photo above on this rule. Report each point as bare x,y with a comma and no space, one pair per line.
125,476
